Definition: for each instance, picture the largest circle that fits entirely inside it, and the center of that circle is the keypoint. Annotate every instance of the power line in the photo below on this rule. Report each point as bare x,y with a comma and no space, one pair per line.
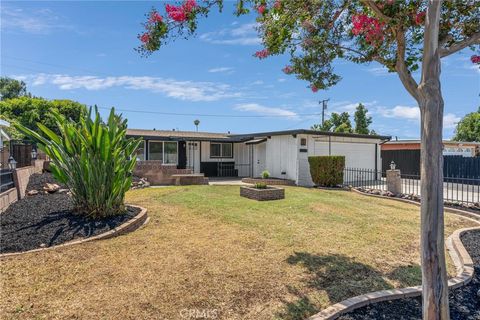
210,115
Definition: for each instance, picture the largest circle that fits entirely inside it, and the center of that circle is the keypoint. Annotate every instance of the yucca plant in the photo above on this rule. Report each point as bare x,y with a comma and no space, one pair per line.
94,159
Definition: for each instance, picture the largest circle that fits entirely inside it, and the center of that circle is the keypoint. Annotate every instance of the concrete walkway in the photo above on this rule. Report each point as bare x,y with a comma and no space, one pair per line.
226,181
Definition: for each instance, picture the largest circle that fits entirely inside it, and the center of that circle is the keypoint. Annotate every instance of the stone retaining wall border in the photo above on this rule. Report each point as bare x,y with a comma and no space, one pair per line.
133,224
462,260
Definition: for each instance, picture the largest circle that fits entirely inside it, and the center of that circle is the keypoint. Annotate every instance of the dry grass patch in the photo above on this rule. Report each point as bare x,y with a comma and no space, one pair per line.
207,248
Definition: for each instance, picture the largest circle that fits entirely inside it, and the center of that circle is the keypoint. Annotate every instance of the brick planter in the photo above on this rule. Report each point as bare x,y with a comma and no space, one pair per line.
270,181
270,193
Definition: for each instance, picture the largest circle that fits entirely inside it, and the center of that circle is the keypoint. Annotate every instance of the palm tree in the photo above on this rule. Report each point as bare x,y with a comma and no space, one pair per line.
196,123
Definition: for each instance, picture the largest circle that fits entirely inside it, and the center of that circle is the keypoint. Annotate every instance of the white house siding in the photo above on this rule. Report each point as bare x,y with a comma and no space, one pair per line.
281,157
358,152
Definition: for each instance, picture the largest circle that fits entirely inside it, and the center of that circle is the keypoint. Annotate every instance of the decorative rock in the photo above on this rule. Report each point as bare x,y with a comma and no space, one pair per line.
32,192
63,191
51,187
42,245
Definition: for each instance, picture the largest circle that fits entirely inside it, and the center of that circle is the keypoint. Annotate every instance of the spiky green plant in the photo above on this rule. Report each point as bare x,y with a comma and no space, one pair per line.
94,159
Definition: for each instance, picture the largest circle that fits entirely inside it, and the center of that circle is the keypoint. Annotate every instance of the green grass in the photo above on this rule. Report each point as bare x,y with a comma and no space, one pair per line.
208,248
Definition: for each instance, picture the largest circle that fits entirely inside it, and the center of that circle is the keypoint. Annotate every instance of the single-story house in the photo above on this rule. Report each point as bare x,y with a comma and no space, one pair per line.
283,153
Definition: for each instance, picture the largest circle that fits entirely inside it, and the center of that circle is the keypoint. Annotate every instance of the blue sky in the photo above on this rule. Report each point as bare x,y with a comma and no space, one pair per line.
84,51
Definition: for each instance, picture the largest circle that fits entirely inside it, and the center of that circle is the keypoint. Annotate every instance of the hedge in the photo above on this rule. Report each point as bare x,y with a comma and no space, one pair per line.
327,171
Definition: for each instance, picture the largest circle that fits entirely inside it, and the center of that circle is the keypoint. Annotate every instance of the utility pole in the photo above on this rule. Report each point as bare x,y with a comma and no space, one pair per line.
324,107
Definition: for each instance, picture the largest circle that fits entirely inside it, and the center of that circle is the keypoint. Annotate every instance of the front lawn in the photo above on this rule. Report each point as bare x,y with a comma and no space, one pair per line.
206,248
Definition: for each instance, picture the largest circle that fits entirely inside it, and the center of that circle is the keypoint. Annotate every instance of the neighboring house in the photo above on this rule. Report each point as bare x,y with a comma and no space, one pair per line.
406,155
283,153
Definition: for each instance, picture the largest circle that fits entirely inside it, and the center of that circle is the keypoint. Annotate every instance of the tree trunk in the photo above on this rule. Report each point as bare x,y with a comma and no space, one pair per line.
434,273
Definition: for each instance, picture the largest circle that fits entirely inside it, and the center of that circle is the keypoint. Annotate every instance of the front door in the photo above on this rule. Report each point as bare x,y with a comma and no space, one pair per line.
193,156
259,159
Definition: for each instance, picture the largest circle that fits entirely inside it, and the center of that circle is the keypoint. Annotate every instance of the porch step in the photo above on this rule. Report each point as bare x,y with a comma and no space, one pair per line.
189,179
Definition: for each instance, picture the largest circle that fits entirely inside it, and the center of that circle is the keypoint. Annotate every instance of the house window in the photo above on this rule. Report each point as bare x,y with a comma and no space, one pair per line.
155,150
303,142
165,151
221,150
170,153
140,152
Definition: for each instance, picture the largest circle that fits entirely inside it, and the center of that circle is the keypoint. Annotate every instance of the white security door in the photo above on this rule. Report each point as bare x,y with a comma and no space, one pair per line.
193,156
259,158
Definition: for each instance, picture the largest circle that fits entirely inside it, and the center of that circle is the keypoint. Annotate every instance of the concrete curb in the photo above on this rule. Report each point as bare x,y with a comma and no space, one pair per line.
136,222
462,260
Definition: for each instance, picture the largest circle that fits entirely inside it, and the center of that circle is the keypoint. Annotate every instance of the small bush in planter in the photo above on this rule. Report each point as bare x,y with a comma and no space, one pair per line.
260,185
265,174
327,171
93,158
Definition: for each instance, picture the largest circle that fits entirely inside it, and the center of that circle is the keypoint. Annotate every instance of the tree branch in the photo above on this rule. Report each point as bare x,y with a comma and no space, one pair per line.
474,39
405,76
373,6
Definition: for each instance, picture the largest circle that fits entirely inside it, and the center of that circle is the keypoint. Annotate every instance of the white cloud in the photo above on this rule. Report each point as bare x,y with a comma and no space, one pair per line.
42,21
244,34
281,80
258,82
379,71
221,69
182,90
269,111
450,121
403,112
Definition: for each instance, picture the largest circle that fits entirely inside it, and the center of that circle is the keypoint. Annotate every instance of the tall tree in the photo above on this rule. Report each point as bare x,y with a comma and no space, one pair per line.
401,35
338,122
468,129
12,88
362,121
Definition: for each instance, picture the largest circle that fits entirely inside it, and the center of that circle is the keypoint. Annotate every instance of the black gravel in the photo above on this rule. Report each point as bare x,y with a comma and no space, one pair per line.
464,301
46,220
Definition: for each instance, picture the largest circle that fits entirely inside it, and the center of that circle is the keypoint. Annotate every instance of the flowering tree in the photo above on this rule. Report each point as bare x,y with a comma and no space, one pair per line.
404,36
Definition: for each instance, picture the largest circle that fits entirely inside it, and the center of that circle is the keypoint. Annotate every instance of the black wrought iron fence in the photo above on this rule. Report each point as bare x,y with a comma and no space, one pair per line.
456,190
6,180
365,178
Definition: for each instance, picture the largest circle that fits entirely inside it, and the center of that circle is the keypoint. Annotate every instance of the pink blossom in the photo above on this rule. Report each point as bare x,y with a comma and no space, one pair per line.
277,4
420,17
261,9
370,28
475,59
155,17
313,88
145,37
179,13
287,70
262,54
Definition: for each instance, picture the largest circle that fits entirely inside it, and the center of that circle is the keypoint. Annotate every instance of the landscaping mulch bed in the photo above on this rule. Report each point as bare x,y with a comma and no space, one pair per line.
464,301
45,220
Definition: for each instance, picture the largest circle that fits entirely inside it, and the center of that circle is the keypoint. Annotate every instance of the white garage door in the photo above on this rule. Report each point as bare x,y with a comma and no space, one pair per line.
357,155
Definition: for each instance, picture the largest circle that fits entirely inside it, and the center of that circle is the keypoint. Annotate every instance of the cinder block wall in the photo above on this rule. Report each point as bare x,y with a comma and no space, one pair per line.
7,198
21,176
158,173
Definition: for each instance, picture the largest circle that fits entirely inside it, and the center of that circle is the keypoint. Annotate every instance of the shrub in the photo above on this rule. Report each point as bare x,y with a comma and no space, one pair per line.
94,159
260,185
327,171
265,174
